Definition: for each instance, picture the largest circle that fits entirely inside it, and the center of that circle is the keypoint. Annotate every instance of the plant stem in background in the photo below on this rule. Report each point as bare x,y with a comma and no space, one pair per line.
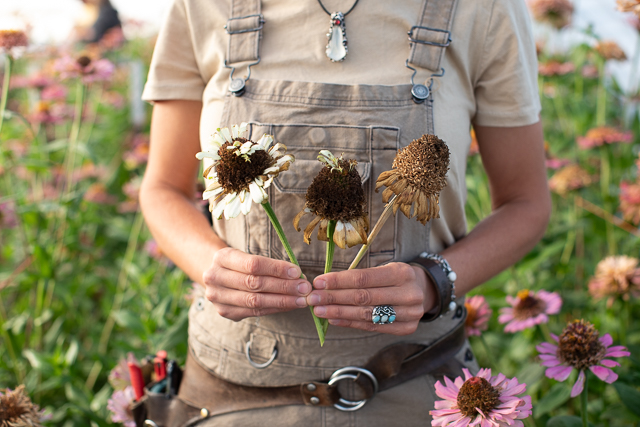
601,103
9,344
583,399
70,159
388,211
488,352
287,247
8,62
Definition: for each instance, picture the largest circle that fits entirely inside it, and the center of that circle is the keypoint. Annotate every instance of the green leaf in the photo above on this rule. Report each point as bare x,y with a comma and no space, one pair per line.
38,361
629,396
72,353
129,321
565,421
557,395
176,334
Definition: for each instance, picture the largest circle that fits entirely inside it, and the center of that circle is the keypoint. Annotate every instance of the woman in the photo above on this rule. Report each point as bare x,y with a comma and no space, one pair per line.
256,304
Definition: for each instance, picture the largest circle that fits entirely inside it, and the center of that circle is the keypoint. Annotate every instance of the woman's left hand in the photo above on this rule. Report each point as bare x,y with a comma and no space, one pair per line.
347,298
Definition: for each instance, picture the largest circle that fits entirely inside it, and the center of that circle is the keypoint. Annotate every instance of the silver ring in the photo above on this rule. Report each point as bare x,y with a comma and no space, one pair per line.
247,352
383,315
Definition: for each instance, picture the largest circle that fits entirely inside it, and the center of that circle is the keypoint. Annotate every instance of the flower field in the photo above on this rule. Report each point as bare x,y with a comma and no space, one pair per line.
83,287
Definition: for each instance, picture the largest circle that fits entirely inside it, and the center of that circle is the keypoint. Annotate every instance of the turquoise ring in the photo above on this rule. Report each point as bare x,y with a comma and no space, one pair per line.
383,315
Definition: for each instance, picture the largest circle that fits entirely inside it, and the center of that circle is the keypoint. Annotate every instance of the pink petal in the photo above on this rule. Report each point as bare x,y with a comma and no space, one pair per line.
559,373
617,351
468,375
446,392
606,340
546,347
603,373
579,385
609,363
555,337
504,318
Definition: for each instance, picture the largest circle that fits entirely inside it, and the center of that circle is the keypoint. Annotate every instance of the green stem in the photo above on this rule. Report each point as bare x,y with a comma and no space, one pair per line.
8,62
287,247
583,399
487,352
73,136
601,104
9,345
388,211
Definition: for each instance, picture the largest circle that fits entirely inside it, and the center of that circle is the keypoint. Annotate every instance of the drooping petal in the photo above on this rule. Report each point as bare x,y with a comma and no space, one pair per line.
309,229
217,140
340,235
579,385
559,373
617,351
323,230
353,237
207,155
233,207
605,374
211,193
218,210
246,205
258,195
226,134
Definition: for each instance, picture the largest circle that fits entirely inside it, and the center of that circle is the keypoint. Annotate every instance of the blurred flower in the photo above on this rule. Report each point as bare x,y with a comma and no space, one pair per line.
48,112
629,6
89,170
580,347
17,410
119,407
112,39
478,315
630,201
557,13
555,68
85,68
241,170
603,135
119,377
529,309
569,178
615,276
153,249
139,153
97,193
8,217
474,148
556,163
196,291
418,175
38,80
113,99
13,42
609,49
54,93
132,190
482,400
589,71
336,194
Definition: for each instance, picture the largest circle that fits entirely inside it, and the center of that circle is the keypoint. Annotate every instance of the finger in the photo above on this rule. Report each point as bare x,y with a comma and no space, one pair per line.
253,300
256,265
395,328
394,274
364,314
254,283
239,313
367,297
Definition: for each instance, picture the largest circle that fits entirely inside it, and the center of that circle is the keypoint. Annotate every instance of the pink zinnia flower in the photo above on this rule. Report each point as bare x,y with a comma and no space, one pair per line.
630,201
555,68
478,315
615,276
119,407
569,178
8,217
85,68
603,135
481,400
119,377
580,346
556,163
97,193
54,93
529,309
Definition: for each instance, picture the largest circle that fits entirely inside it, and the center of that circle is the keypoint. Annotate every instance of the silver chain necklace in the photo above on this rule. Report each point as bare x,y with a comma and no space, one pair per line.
337,44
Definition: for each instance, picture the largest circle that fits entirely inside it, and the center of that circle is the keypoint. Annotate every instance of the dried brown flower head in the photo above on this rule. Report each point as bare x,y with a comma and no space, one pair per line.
10,39
17,410
615,276
609,49
418,175
629,6
556,13
336,194
569,178
579,345
477,394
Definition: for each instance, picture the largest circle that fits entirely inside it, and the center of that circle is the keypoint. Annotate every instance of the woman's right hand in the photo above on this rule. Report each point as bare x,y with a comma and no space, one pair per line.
242,285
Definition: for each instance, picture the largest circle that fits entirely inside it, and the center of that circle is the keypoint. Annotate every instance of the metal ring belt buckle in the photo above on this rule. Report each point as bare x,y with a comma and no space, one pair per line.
344,374
247,352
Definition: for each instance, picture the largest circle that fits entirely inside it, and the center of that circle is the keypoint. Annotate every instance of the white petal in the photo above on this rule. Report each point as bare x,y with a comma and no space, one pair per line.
243,129
218,210
267,183
246,206
272,169
257,193
211,193
217,140
208,155
242,195
234,131
226,134
282,160
232,209
265,141
246,147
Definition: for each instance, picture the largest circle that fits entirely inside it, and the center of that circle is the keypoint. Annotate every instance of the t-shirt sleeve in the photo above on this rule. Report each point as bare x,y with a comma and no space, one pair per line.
174,72
506,90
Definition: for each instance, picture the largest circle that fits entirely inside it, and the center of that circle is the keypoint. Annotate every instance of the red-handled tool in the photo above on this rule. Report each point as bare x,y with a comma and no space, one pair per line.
136,380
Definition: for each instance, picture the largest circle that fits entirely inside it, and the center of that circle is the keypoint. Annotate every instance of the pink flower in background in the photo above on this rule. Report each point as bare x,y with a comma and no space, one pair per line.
590,71
85,68
580,347
119,377
482,400
555,68
54,93
154,251
132,190
8,217
630,201
570,177
89,170
478,315
34,81
139,153
529,309
119,406
556,13
555,163
48,112
97,193
615,276
603,135
13,42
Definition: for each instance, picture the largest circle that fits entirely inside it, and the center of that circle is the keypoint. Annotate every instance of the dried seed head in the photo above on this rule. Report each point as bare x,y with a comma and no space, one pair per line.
579,345
424,164
235,172
337,193
477,393
528,306
83,61
16,409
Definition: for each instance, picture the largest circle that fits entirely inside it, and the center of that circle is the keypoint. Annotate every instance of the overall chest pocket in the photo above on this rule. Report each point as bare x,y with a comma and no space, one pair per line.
374,148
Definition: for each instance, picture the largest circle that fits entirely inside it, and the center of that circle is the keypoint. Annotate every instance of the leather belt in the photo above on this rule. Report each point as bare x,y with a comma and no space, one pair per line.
208,395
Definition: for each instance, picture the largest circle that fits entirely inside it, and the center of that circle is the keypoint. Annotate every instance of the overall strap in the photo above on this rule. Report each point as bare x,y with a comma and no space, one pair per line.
244,29
429,39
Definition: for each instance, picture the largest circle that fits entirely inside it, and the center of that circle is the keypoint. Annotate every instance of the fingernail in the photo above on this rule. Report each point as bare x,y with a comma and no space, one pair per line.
304,288
302,302
314,299
293,272
320,284
320,310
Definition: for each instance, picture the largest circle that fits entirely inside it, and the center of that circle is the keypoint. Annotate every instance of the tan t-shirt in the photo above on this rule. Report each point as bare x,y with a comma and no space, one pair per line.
490,67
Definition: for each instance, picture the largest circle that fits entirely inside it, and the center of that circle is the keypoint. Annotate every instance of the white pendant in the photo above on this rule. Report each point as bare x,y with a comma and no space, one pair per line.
337,45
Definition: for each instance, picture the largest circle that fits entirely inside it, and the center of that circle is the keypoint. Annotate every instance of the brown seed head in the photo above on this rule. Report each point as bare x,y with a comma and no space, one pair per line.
236,173
337,194
83,61
424,164
478,393
609,49
12,38
579,345
556,13
16,409
528,306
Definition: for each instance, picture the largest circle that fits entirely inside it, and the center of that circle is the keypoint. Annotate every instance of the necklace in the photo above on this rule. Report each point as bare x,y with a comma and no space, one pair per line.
336,49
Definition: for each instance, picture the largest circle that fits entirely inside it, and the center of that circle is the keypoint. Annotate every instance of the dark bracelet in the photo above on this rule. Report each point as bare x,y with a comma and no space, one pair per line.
444,288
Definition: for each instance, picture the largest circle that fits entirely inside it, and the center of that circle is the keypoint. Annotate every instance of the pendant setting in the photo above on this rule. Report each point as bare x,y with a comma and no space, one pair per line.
336,49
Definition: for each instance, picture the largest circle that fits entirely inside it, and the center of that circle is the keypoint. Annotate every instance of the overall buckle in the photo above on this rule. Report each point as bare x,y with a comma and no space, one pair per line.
352,373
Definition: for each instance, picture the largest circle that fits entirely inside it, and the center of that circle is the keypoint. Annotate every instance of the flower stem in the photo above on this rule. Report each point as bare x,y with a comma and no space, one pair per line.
8,62
287,247
75,132
388,211
601,102
583,399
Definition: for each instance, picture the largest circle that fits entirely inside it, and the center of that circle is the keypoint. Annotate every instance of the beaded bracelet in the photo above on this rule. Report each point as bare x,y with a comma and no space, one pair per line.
443,277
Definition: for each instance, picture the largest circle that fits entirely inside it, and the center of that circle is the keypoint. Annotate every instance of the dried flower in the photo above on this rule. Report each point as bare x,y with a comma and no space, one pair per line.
580,347
8,217
336,194
17,410
557,13
609,49
481,400
629,6
478,315
241,170
119,406
529,309
84,67
603,135
569,178
12,42
630,201
615,276
418,175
